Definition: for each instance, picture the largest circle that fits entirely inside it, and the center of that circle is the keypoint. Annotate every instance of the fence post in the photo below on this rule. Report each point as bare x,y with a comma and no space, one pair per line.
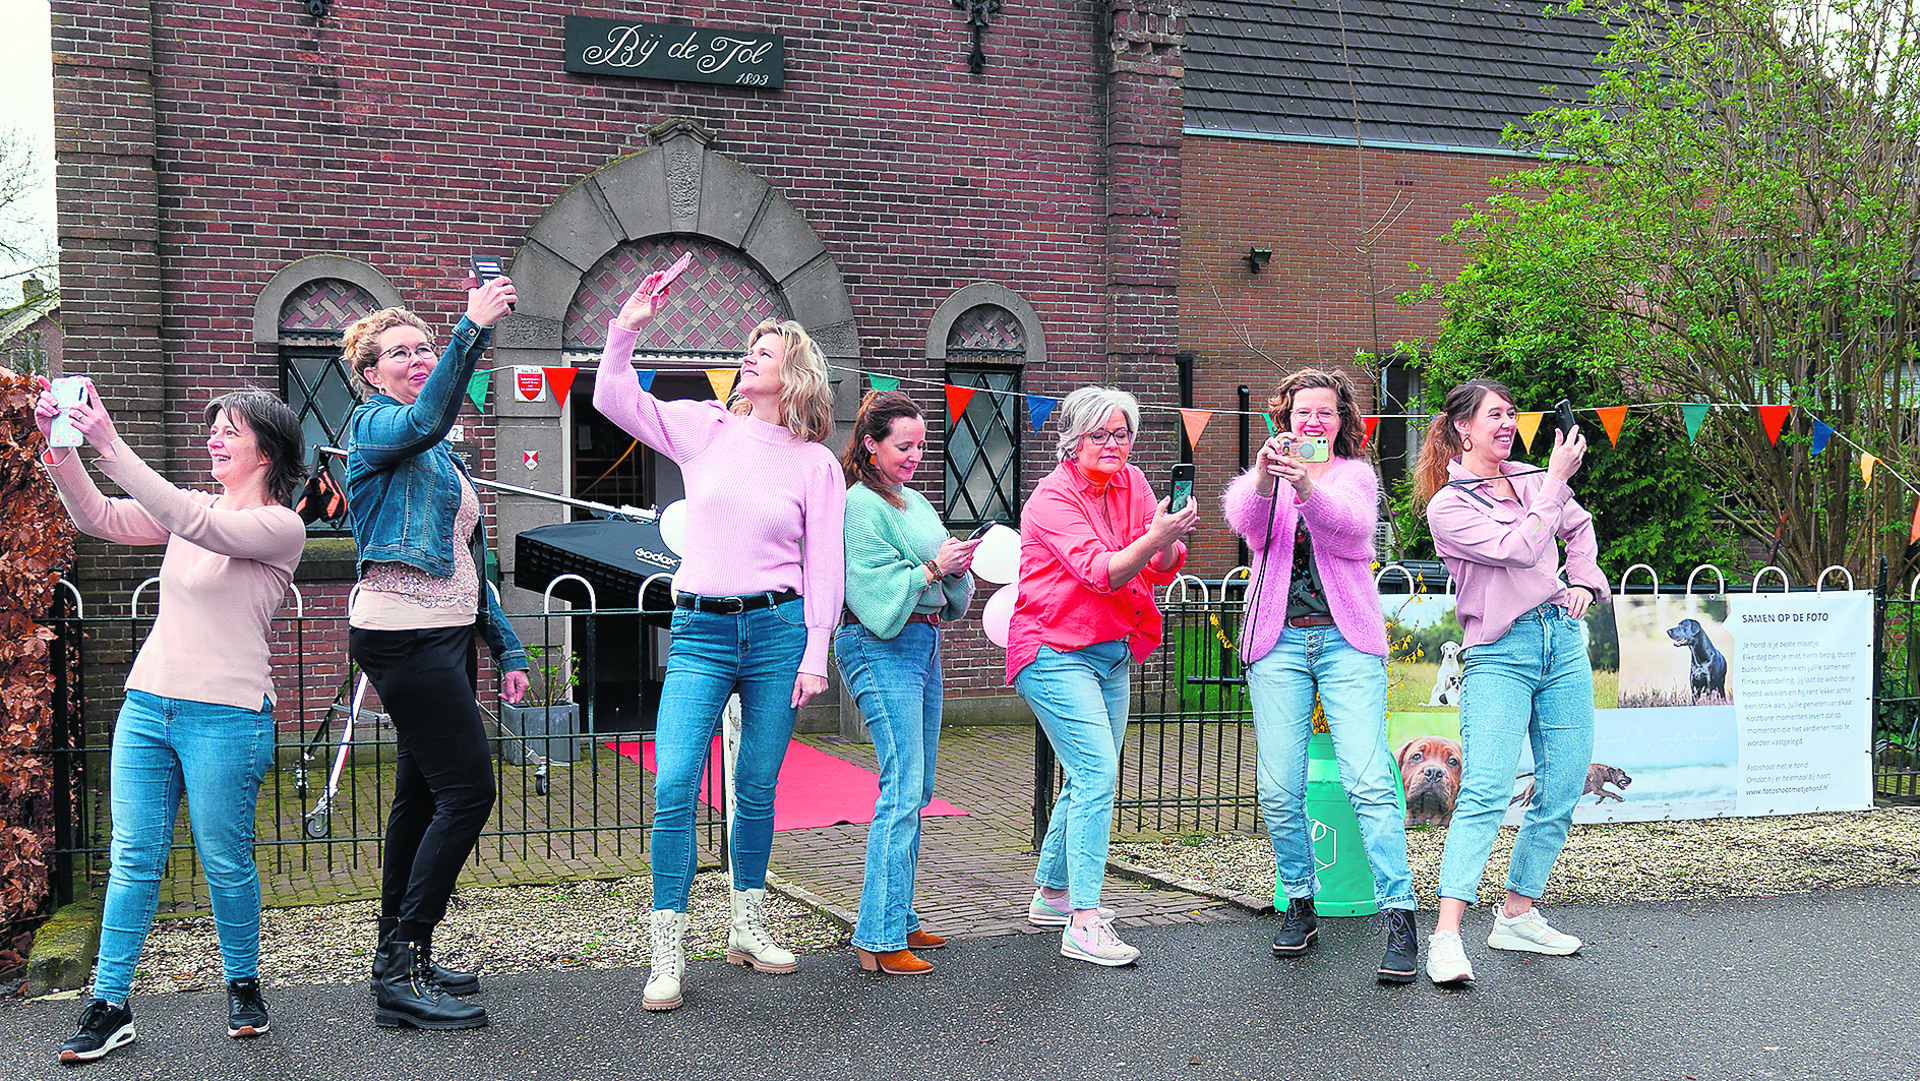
1246,407
1042,784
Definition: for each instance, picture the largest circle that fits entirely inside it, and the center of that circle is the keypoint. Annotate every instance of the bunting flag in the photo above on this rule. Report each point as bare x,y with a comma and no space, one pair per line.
646,379
1867,462
1529,424
722,380
1773,418
1913,538
1694,416
477,384
1613,418
1039,408
883,382
957,399
1822,434
1367,436
561,380
1195,421
1268,417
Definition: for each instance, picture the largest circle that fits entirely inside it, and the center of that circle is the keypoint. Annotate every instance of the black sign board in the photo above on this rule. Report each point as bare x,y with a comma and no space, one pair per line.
675,51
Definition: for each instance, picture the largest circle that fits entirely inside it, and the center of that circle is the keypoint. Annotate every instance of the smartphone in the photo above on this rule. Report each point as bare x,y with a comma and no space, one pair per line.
985,528
1182,487
1317,448
486,268
68,390
678,268
1563,417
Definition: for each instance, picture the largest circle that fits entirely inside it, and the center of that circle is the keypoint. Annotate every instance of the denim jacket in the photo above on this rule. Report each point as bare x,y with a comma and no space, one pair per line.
403,483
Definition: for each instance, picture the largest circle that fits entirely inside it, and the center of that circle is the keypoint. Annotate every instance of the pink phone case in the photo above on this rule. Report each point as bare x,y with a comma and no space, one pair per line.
679,267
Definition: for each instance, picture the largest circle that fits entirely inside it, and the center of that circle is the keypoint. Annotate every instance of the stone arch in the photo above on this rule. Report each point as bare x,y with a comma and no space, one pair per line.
266,307
972,296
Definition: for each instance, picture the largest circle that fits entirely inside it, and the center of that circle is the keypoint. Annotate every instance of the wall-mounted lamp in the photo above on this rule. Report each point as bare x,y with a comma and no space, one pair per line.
1257,258
318,8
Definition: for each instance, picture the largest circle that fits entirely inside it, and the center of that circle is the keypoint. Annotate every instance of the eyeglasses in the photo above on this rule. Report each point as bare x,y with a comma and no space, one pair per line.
1110,435
1316,414
419,352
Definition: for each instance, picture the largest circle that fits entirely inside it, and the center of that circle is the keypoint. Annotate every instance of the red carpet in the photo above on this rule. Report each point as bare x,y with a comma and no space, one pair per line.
816,789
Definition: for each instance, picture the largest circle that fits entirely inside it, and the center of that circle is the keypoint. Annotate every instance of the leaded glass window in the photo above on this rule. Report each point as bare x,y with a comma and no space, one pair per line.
985,349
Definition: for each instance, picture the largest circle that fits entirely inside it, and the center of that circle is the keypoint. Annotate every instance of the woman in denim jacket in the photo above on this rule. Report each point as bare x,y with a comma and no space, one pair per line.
412,620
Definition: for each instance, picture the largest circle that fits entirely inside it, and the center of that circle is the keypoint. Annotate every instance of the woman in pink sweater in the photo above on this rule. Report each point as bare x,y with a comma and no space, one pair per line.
1524,672
198,716
758,595
1314,626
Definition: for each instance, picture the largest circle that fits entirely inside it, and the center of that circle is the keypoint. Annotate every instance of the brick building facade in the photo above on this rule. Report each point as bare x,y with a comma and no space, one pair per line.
238,180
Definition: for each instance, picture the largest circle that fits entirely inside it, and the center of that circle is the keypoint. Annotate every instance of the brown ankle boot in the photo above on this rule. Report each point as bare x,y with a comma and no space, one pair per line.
897,963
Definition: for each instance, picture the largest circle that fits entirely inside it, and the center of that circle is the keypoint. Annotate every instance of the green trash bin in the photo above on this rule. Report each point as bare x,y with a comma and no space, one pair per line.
1346,880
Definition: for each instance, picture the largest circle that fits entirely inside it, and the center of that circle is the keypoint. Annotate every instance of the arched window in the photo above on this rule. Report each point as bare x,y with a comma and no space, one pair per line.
987,336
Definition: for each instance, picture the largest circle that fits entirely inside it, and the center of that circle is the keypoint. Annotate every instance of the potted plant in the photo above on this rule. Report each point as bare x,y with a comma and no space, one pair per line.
546,723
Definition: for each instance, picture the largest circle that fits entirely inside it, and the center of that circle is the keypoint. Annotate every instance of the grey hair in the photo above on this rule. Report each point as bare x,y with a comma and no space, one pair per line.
1086,409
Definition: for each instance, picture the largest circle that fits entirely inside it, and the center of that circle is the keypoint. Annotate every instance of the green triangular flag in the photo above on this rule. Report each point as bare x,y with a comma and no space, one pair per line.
883,382
1268,417
477,389
1695,416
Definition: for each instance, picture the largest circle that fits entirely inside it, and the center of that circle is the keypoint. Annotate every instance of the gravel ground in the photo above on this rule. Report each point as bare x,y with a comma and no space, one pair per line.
1619,862
590,924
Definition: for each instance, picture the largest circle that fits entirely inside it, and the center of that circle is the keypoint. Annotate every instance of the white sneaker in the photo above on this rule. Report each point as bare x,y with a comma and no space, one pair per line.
1044,911
1529,932
1447,959
1096,941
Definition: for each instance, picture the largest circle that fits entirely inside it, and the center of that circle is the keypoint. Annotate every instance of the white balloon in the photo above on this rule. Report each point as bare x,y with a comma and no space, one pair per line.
673,526
997,560
997,617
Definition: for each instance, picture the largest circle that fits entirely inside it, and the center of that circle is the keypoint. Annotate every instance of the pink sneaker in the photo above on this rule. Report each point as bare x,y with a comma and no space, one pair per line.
1043,911
1097,941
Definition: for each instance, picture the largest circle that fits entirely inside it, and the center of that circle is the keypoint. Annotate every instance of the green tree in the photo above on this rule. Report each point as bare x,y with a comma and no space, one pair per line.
1733,216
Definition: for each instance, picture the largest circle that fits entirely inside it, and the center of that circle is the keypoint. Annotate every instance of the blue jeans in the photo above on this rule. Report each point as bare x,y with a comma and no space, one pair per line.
896,682
217,755
1353,692
1081,698
758,653
1535,684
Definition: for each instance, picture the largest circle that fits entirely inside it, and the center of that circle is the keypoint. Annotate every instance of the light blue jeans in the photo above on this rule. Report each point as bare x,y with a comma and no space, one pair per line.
1081,698
896,682
1533,685
1353,692
759,653
217,755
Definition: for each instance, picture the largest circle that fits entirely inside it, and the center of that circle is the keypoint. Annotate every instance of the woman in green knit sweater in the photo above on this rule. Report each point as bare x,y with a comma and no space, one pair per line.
905,574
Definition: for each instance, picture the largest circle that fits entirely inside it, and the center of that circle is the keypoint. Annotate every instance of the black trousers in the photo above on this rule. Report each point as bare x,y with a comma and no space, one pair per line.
443,786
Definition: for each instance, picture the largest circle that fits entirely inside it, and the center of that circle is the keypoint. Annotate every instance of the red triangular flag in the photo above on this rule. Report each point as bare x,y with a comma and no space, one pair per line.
957,399
1773,418
1367,436
1914,537
1195,421
561,380
1612,418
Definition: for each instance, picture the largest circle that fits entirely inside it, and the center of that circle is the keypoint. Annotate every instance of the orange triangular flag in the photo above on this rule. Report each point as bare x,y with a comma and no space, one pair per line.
1529,424
1611,418
722,380
1867,462
1914,537
1367,436
1196,422
1773,418
957,399
561,380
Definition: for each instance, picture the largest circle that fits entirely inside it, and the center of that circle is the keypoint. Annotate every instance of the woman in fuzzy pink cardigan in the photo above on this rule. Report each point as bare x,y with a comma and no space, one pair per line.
1314,626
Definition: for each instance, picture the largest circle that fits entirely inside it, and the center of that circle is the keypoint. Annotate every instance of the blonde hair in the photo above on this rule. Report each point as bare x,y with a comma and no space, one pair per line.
1443,443
360,344
806,398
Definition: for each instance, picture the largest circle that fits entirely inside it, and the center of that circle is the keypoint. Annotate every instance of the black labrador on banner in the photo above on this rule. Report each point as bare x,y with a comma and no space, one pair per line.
1707,665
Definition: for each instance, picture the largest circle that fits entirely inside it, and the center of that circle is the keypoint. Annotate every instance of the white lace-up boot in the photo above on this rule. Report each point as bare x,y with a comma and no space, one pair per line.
669,965
749,943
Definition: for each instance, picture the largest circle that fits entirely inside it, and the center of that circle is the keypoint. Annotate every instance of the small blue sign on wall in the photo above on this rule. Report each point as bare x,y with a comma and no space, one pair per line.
675,51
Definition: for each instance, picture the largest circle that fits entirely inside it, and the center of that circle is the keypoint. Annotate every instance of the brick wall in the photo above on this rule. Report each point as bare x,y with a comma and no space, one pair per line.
1315,304
204,146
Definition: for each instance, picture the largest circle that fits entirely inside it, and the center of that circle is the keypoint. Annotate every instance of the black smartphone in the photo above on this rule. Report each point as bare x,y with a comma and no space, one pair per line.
1563,417
1182,487
486,268
985,528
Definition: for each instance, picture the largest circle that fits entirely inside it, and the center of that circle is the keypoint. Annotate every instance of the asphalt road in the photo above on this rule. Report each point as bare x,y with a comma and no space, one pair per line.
1812,986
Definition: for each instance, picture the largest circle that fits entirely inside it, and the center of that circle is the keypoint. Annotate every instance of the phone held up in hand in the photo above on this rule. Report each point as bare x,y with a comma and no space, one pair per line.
1314,448
1563,417
486,268
678,268
68,391
1182,488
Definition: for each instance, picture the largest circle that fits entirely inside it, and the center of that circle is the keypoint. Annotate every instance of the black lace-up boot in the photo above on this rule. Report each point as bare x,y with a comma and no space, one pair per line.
1298,929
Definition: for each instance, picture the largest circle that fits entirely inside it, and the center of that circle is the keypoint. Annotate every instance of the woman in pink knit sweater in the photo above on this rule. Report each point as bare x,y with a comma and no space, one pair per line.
758,595
1314,626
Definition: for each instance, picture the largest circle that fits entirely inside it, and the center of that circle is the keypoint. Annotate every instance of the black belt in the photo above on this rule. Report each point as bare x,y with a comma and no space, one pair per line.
733,606
1310,621
848,619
